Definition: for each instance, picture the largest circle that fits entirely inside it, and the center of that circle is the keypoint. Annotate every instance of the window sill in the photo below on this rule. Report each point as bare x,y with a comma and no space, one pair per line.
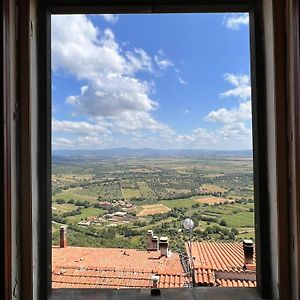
174,294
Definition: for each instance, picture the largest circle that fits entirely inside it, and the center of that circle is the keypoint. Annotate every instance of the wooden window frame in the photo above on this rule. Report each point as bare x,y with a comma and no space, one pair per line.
258,108
287,134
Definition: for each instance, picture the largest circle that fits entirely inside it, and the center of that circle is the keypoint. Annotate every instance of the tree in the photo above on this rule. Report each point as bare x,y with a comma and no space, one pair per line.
225,231
234,231
71,201
231,236
221,237
223,223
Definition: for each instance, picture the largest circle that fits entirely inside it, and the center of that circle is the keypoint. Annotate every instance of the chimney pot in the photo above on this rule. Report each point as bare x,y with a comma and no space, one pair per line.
164,246
152,241
248,251
63,236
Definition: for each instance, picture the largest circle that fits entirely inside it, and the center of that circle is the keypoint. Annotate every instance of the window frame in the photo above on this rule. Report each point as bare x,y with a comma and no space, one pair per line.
258,79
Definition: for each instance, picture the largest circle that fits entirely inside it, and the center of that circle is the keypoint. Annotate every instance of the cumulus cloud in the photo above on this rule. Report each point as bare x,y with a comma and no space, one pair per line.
112,90
81,49
111,95
235,122
110,18
235,21
117,106
223,115
242,87
230,136
61,142
79,126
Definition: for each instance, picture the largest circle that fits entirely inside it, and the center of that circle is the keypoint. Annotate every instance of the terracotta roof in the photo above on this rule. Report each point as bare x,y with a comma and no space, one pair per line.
221,264
114,268
235,283
215,264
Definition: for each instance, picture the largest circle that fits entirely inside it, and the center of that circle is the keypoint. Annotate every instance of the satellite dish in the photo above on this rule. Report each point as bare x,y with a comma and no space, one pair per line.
188,224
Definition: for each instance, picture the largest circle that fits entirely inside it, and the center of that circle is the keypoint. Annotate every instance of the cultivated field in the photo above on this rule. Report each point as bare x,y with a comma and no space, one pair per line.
120,199
154,209
211,200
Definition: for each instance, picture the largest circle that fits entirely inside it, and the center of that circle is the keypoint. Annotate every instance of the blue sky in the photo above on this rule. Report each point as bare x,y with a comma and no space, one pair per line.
169,81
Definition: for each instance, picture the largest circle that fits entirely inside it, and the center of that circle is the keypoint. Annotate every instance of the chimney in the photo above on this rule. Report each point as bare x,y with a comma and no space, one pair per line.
155,281
248,251
164,246
152,241
63,236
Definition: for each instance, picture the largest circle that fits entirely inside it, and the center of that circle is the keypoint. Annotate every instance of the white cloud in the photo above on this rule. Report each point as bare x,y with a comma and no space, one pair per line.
128,121
181,81
162,61
242,87
80,48
110,95
223,115
235,130
79,127
110,18
235,21
112,89
90,140
228,137
139,60
61,142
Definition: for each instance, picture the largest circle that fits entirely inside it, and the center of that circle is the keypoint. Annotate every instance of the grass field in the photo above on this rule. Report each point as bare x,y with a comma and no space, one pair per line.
130,193
243,219
86,212
210,200
212,188
153,209
75,194
63,208
145,190
178,203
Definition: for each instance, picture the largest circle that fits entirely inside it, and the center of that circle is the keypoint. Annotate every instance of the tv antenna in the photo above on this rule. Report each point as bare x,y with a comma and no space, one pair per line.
188,224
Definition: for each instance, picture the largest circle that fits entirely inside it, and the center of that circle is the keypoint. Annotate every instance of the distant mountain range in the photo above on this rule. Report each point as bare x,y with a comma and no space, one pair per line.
59,155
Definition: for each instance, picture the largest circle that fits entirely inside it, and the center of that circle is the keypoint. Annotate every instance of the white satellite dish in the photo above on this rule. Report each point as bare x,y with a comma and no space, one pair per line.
188,224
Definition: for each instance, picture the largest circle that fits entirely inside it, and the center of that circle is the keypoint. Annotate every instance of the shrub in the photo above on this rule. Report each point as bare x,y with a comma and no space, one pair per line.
60,201
234,231
231,236
223,223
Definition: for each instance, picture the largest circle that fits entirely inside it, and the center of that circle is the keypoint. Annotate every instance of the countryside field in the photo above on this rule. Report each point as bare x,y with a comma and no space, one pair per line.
109,202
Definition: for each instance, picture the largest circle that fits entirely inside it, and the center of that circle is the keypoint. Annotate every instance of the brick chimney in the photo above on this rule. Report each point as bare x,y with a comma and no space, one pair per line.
248,251
63,236
164,246
152,241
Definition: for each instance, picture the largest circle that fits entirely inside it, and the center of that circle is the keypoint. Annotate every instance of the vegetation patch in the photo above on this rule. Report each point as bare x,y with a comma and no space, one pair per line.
131,193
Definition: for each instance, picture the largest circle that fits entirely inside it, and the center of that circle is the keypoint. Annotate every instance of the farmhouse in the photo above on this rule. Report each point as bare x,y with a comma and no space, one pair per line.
104,204
84,223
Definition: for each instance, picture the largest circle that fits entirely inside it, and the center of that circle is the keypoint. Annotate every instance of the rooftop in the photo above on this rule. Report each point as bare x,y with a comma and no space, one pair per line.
215,264
114,268
221,264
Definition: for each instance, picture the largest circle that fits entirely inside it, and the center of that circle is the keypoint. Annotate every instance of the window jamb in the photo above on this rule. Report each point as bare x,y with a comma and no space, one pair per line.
258,107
